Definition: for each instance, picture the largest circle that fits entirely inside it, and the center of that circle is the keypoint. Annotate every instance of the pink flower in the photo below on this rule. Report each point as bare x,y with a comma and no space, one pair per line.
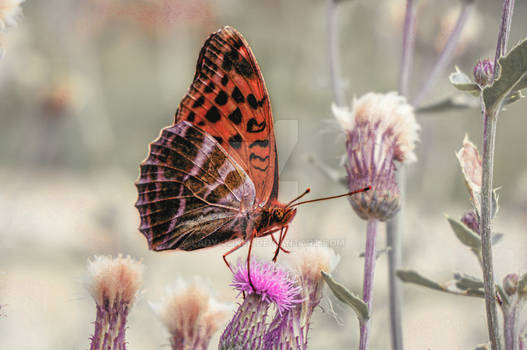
272,285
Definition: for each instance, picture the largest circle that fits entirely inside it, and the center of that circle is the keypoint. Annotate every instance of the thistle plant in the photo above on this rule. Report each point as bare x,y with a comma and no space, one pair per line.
289,330
271,285
381,131
113,283
496,83
190,315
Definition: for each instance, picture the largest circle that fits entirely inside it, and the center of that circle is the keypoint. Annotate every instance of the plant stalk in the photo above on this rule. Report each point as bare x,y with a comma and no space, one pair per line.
489,139
446,54
511,327
369,271
334,54
408,47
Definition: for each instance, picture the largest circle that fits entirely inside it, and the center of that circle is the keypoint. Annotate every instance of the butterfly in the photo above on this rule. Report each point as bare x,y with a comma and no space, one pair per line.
212,176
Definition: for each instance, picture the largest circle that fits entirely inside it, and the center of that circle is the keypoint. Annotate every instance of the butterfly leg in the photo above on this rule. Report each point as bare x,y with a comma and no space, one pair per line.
249,259
238,246
283,233
276,242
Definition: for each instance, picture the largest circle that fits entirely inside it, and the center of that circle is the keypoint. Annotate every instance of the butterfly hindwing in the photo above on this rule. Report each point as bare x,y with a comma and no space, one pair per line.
228,100
191,191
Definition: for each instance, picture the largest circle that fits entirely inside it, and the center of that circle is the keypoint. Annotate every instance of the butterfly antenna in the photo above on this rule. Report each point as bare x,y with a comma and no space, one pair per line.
297,198
332,197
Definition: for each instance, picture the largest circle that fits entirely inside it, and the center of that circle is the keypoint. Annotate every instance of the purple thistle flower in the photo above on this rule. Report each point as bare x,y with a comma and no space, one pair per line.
380,129
272,285
113,284
290,330
483,72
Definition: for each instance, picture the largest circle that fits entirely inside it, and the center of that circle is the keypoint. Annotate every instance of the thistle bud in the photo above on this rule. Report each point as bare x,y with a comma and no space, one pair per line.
483,72
510,283
470,219
113,284
380,130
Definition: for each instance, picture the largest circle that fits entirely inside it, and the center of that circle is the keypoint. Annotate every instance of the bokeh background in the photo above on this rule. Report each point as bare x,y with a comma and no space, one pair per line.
86,85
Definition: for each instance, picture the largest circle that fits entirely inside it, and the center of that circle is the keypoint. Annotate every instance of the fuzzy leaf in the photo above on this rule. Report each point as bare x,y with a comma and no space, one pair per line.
513,97
512,77
464,234
411,276
462,82
347,297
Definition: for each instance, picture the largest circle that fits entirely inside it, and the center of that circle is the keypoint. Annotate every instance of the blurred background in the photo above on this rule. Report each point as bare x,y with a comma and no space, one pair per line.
85,86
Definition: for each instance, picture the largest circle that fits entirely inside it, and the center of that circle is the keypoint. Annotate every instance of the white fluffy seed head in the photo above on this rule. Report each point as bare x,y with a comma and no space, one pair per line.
387,114
111,279
189,312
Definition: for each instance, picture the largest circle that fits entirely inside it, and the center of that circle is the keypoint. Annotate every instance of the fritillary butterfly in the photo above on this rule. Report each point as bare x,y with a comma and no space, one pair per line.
212,176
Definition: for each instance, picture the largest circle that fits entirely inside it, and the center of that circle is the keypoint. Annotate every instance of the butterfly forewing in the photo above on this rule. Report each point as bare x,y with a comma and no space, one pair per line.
228,100
191,192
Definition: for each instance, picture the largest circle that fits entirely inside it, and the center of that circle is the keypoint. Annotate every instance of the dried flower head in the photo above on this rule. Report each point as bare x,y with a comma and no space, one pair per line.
191,315
483,72
272,285
380,129
290,330
112,279
10,11
113,284
470,163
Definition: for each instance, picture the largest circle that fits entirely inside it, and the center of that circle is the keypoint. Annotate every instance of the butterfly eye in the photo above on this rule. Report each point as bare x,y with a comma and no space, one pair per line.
278,215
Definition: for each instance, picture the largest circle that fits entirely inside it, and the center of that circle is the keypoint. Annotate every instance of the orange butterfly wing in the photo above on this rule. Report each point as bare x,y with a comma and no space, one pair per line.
228,100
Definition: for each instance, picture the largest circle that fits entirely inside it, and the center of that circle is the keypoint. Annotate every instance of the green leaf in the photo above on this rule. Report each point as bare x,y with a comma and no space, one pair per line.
462,82
512,77
464,234
347,297
450,103
411,276
468,283
465,282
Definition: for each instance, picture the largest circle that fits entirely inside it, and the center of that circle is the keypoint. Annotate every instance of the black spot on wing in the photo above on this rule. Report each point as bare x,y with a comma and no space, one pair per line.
224,80
253,126
252,101
259,143
235,141
255,156
213,115
236,116
237,95
221,98
199,102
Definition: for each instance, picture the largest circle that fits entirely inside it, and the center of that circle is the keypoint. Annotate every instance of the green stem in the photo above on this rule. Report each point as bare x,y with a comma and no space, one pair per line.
489,139
369,271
